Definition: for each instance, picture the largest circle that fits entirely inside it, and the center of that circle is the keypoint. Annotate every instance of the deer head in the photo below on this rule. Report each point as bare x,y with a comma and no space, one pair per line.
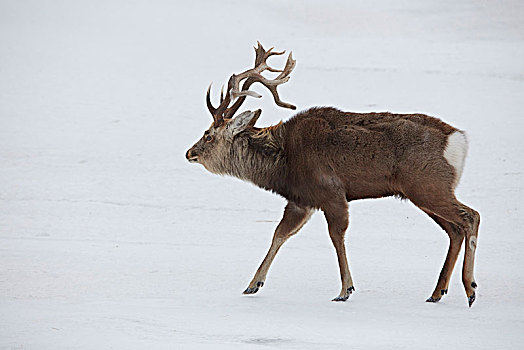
213,150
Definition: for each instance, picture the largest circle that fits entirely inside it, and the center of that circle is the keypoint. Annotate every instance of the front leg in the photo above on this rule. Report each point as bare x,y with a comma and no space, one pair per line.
337,218
294,218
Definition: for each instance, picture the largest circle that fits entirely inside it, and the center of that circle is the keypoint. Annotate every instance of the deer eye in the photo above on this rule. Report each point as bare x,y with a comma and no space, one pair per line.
208,138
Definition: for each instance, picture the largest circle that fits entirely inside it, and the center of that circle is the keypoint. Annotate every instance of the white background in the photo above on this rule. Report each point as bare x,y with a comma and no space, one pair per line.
109,239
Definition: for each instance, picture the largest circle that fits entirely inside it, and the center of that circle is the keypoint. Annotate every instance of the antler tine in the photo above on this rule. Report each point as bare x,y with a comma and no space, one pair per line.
210,106
259,54
270,52
278,101
221,111
290,65
218,113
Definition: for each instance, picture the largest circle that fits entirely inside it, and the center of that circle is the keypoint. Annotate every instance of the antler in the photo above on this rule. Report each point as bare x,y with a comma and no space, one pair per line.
251,76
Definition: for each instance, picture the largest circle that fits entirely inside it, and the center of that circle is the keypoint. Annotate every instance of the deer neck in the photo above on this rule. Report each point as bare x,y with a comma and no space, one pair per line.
258,157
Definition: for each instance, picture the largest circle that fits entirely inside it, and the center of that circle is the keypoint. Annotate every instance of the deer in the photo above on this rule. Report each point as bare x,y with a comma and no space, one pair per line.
323,158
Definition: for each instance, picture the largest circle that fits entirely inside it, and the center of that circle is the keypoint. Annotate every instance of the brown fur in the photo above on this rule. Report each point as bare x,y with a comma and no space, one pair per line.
323,158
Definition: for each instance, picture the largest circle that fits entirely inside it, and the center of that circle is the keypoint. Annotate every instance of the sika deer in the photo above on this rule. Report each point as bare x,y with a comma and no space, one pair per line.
323,158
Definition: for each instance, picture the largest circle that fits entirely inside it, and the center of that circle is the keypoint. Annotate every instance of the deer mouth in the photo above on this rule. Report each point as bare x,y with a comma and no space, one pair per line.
193,159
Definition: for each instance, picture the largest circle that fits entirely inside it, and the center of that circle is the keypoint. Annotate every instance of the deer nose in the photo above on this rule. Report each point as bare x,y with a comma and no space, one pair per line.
191,156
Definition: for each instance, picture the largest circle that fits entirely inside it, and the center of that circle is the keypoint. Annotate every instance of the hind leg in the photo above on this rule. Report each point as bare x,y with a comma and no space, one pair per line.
444,205
456,236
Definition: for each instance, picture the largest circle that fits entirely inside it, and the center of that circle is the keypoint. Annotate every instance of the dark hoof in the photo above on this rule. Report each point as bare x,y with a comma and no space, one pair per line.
346,296
432,300
443,291
251,290
473,284
471,299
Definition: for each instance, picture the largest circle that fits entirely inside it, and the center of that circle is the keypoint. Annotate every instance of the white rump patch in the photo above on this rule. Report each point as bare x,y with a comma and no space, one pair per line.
455,153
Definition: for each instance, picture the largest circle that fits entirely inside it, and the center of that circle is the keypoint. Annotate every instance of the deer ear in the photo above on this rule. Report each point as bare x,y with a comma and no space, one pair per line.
242,121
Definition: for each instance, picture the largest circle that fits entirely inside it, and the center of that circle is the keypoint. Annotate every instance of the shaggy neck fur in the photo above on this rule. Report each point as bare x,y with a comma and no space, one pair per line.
258,156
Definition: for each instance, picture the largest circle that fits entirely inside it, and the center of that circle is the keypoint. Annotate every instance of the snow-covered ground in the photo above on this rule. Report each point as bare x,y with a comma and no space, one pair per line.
109,239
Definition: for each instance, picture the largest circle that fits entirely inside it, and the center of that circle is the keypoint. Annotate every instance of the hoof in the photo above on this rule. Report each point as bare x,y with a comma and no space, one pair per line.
443,291
344,298
250,290
432,300
253,290
473,285
471,299
346,295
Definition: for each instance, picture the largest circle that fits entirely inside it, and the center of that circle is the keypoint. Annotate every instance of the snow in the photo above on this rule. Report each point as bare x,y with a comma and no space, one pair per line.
110,239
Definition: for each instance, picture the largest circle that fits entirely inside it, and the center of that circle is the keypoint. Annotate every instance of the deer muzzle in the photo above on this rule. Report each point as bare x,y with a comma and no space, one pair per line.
191,157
